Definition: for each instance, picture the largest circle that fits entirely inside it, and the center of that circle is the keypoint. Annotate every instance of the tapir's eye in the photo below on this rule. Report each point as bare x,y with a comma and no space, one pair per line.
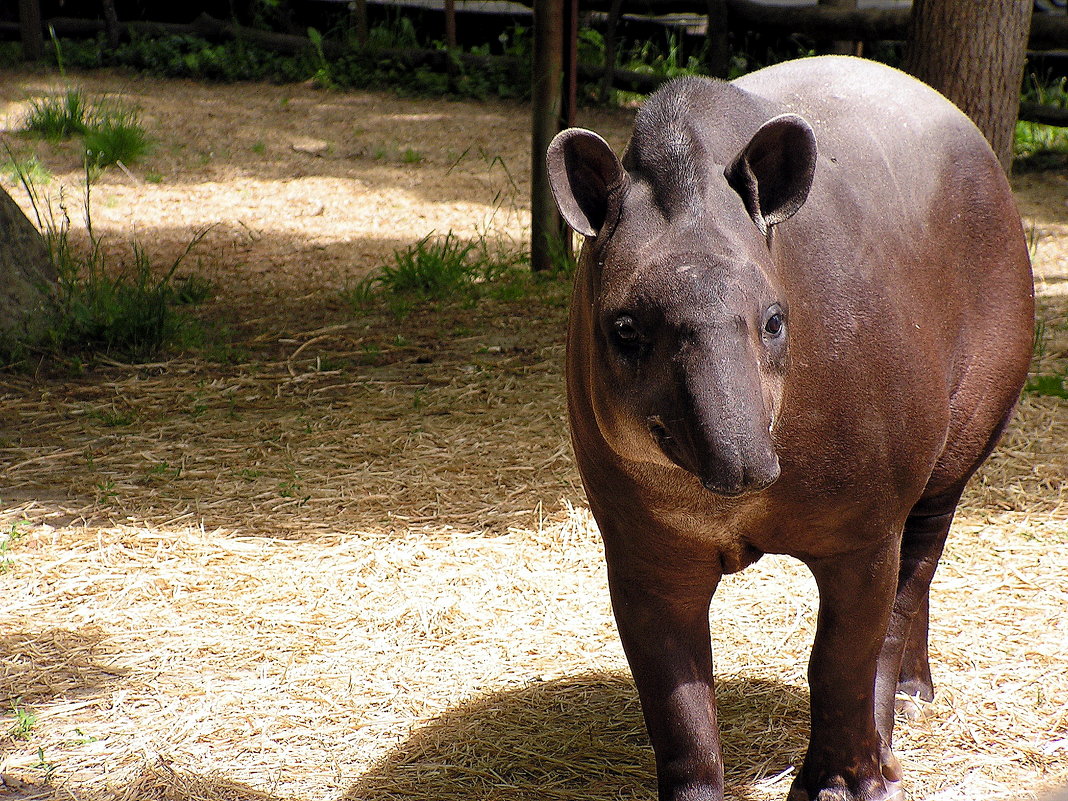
774,324
626,330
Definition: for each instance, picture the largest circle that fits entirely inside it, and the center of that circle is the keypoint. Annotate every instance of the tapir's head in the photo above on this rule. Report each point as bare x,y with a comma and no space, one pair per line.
690,328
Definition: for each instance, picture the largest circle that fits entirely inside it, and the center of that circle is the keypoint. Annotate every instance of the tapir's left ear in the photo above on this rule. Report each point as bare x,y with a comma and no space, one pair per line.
773,173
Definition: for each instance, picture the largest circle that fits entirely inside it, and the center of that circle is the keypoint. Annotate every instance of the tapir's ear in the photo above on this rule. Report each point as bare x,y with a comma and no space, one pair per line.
773,173
584,173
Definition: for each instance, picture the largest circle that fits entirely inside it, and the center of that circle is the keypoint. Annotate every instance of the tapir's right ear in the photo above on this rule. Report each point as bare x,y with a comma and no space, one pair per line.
584,173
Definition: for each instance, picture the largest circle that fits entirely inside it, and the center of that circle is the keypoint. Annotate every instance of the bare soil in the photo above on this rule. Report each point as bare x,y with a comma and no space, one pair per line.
347,556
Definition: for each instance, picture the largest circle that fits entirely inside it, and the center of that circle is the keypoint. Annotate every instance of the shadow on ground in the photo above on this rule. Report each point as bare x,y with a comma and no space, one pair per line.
37,666
578,737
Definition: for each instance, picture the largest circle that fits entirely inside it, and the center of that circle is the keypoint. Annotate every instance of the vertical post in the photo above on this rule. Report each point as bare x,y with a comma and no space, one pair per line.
30,28
610,50
570,48
719,52
111,24
359,11
450,24
552,19
842,47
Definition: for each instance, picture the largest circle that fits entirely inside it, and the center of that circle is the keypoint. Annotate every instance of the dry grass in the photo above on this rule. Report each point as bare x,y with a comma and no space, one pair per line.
360,567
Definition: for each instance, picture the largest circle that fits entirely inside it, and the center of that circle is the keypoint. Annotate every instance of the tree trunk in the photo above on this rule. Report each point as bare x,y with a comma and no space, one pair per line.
27,277
973,52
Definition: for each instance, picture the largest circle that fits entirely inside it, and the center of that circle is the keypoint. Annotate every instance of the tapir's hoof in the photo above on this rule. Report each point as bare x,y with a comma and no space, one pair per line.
911,695
893,792
886,787
911,706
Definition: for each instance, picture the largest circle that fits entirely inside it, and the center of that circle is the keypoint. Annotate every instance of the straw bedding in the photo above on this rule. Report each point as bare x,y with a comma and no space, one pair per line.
330,571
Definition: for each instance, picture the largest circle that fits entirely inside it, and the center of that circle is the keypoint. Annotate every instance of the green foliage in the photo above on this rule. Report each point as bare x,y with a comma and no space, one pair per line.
31,167
445,272
396,33
1051,385
14,533
24,722
1039,147
432,268
110,131
190,57
322,76
46,767
666,61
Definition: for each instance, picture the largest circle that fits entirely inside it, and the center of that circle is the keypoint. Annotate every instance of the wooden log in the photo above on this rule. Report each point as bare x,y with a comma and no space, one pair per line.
1046,115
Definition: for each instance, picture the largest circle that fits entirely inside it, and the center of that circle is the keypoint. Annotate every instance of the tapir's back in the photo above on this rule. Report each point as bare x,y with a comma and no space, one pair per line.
912,267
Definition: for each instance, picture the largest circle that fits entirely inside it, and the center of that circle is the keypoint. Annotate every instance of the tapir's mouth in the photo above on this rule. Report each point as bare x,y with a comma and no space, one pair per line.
730,475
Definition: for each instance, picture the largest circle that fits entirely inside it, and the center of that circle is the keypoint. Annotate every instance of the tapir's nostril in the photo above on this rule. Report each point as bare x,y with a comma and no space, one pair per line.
742,481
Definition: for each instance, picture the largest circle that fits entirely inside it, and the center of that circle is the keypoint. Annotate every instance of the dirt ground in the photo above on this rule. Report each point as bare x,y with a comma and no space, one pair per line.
349,557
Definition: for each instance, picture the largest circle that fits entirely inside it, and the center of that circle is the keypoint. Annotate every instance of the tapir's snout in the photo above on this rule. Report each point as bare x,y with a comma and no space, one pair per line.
726,468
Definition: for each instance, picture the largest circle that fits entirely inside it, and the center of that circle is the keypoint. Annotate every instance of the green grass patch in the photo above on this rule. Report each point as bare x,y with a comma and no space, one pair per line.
31,167
60,116
1036,146
441,271
24,722
1049,385
131,310
15,532
115,136
111,132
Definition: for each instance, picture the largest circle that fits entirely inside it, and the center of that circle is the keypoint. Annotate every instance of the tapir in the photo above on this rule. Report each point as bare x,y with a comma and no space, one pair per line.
802,316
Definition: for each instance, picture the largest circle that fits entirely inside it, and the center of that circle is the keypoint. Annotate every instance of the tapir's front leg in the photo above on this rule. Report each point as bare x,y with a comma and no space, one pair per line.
847,759
661,603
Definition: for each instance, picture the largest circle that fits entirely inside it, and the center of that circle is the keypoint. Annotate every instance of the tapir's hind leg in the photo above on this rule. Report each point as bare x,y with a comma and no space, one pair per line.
914,679
903,663
903,667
